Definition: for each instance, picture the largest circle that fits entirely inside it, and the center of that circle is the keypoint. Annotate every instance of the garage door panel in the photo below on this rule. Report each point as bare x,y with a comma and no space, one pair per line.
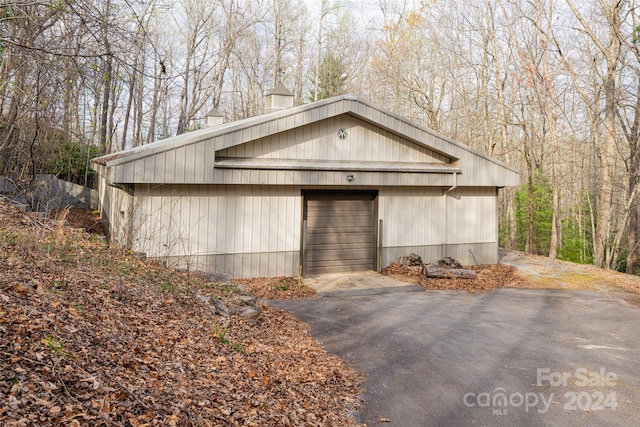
338,263
336,212
344,214
332,238
339,213
319,267
327,203
340,222
340,206
338,229
339,232
341,255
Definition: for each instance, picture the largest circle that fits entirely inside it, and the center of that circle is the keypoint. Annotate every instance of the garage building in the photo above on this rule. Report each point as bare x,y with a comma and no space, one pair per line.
332,186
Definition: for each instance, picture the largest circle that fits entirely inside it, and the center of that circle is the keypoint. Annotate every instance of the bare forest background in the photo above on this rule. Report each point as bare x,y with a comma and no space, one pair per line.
551,87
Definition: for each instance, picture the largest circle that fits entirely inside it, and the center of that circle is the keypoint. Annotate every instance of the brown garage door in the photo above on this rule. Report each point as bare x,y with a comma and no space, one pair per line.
340,232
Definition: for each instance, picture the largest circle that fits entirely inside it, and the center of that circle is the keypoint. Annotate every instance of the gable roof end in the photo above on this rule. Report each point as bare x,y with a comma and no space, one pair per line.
476,165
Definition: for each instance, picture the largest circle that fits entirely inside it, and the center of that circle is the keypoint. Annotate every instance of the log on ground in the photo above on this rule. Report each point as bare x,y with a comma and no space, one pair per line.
436,272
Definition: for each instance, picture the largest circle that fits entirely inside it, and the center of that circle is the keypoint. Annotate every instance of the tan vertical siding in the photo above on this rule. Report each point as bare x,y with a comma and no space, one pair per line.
170,166
244,230
434,225
471,215
115,210
319,141
411,216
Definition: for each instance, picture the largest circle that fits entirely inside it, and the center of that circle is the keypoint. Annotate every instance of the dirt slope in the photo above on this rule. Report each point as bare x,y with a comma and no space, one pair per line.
91,335
541,272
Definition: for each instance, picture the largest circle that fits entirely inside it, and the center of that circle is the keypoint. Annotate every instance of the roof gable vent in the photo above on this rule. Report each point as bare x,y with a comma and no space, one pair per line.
278,98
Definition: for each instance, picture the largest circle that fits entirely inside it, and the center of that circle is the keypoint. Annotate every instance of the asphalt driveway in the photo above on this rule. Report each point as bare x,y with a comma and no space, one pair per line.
508,357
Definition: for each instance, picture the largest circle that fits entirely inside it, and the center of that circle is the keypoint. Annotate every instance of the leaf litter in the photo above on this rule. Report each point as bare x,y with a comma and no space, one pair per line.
488,277
92,335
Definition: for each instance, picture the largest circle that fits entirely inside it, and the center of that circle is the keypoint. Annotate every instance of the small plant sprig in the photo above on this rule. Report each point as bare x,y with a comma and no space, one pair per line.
220,333
167,287
54,344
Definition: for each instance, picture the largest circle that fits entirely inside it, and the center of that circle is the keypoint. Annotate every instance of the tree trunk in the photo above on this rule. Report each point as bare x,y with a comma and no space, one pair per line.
555,223
604,205
138,98
532,207
633,136
153,115
277,42
513,223
633,168
435,272
316,83
611,51
182,120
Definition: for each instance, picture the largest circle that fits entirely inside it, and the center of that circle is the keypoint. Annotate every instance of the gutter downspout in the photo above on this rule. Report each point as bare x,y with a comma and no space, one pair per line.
446,214
455,183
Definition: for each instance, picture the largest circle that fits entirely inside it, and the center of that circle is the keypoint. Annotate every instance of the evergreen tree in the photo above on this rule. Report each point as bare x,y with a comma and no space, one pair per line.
332,77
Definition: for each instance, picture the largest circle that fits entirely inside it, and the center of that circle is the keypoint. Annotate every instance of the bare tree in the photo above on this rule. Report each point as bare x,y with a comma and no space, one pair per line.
610,49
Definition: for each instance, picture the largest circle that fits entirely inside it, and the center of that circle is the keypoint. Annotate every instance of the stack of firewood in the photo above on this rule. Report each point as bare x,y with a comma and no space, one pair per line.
412,260
446,268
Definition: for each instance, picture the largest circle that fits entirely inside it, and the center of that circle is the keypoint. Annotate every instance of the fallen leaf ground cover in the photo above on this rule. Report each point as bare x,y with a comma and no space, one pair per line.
92,335
87,219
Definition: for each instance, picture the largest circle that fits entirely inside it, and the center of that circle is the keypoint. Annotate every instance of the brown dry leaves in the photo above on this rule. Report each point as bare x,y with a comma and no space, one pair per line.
87,219
488,277
277,287
91,335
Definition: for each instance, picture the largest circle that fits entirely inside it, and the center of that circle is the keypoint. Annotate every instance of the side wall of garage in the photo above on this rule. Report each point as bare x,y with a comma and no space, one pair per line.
115,210
238,230
434,223
250,231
